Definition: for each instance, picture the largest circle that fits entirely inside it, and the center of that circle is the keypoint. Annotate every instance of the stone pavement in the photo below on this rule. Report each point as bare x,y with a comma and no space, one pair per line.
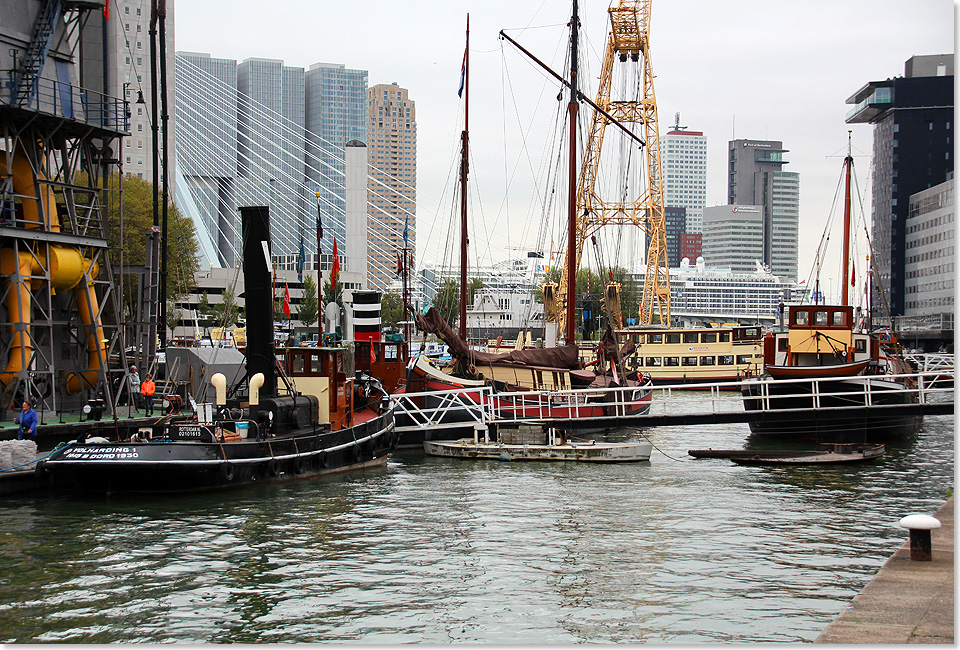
907,601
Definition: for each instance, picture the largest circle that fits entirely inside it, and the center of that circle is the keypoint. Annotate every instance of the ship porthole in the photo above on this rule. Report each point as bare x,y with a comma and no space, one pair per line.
227,471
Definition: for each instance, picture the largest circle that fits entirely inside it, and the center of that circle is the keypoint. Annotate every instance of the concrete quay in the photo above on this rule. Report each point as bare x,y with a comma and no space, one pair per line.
907,601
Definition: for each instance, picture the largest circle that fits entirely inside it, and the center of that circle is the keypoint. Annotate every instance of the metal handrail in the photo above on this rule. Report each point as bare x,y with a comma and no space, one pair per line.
65,100
724,398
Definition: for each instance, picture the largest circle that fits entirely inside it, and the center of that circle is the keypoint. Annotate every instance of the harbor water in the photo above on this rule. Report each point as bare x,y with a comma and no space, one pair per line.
674,550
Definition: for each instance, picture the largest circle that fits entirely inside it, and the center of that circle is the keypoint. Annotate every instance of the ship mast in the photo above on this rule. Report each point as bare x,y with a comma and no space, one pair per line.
572,258
464,170
845,275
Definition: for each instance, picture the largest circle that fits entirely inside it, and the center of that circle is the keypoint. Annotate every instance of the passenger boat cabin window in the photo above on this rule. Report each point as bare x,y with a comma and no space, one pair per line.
744,359
673,338
726,360
671,361
724,337
653,362
689,361
391,352
708,337
820,317
838,318
689,337
708,361
801,317
654,338
861,345
782,344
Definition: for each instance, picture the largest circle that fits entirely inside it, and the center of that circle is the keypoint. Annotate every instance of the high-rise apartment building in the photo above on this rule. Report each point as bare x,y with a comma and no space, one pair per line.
756,177
684,161
336,113
930,267
912,151
392,188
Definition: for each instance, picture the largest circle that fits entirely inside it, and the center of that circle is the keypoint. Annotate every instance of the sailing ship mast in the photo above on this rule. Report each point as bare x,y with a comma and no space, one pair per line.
573,109
464,169
845,279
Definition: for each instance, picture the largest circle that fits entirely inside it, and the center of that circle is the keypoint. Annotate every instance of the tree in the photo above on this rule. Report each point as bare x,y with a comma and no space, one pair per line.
183,258
391,310
309,310
224,314
472,287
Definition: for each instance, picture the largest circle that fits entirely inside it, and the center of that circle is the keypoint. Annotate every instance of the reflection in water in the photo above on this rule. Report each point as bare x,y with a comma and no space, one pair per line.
675,550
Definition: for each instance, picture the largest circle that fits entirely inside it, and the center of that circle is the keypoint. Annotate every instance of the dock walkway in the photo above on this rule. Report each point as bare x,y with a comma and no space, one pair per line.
907,601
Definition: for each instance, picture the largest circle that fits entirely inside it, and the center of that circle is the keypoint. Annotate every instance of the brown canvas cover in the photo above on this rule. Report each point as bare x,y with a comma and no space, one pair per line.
565,356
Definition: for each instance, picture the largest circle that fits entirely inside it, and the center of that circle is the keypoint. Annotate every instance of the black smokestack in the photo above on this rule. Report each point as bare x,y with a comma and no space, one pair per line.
258,293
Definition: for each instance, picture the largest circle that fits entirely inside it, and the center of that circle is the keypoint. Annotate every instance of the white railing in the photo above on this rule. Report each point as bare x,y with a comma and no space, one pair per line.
445,409
479,406
934,361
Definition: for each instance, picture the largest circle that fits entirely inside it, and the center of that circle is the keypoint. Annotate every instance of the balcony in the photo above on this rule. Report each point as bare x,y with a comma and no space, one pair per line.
871,101
68,102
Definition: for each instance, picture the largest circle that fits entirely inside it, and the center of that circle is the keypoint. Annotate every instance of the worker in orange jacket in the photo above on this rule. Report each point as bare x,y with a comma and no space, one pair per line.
147,389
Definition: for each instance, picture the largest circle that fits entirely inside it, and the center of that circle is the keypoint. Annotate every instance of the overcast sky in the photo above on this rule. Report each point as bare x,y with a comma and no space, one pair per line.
758,69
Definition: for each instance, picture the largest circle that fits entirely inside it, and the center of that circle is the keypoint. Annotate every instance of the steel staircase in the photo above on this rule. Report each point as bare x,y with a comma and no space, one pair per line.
36,53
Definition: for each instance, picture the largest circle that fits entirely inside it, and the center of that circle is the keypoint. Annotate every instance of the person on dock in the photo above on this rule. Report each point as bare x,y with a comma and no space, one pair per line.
134,375
147,389
27,419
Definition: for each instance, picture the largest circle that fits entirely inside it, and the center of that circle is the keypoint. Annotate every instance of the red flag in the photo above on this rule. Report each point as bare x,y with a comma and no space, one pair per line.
373,353
335,270
853,273
399,264
106,11
286,300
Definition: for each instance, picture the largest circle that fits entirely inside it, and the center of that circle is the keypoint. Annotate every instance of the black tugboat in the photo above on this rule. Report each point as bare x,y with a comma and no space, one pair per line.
321,422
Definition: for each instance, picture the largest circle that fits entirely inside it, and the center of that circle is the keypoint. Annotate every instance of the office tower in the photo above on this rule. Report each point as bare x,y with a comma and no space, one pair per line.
125,34
733,236
912,151
675,224
336,113
684,160
393,180
756,177
270,140
930,265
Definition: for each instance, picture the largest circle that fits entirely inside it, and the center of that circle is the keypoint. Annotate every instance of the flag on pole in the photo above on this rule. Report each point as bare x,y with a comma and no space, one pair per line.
399,264
853,273
335,269
463,74
301,260
286,300
319,224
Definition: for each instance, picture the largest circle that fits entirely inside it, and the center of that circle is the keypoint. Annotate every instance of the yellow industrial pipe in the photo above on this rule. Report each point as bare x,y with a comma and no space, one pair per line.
22,174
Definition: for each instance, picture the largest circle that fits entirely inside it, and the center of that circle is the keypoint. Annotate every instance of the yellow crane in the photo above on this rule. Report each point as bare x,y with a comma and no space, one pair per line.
628,38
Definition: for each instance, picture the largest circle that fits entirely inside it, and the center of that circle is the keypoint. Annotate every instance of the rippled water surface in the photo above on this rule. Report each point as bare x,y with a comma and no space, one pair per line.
677,550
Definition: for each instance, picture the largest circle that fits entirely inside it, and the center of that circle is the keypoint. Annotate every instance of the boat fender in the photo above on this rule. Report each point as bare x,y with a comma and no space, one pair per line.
298,466
273,468
40,470
357,453
322,459
227,471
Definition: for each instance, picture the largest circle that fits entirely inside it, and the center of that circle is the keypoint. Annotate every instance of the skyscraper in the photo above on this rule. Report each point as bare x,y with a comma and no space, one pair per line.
756,177
684,162
393,180
336,113
912,151
733,236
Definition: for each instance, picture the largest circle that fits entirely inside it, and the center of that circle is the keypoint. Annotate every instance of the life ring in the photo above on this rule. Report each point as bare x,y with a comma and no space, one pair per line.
227,471
273,468
298,465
